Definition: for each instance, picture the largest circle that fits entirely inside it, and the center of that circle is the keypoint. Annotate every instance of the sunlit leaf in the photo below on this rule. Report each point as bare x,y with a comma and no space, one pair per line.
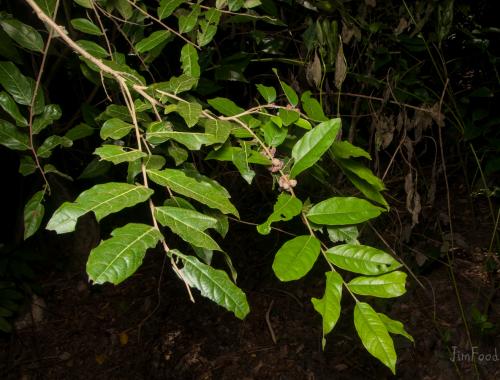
349,234
86,26
190,112
188,21
394,327
152,41
167,7
268,93
189,61
117,154
387,285
115,129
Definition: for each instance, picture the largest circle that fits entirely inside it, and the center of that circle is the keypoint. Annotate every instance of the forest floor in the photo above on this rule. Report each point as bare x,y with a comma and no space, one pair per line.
147,328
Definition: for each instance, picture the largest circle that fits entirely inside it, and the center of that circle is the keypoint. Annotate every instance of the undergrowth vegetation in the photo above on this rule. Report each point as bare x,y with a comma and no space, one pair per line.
149,101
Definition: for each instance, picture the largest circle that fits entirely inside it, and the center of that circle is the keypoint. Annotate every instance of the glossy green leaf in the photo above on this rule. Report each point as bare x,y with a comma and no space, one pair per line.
152,41
24,35
26,165
51,113
362,172
338,211
117,258
189,61
201,190
374,335
124,8
267,92
115,129
159,132
329,305
208,26
361,259
309,149
178,153
227,153
290,93
51,142
12,138
303,123
190,112
176,85
288,116
188,21
9,105
92,48
285,208
86,26
387,285
214,284
225,106
118,154
218,129
101,199
345,150
368,190
312,108
20,87
84,3
296,257
79,131
274,135
33,214
235,5
395,327
190,225
47,6
349,234
167,7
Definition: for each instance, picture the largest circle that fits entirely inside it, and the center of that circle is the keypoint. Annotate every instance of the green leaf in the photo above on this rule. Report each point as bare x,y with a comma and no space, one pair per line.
362,172
349,234
124,8
338,211
313,145
296,257
9,105
115,129
368,190
235,5
102,199
374,335
361,259
159,132
152,41
117,258
20,87
290,93
176,85
218,129
394,327
329,305
214,284
12,138
167,7
225,106
92,48
228,153
190,112
285,208
303,123
26,165
95,168
201,190
51,112
84,3
387,285
345,150
117,154
24,35
86,26
188,21
288,116
51,142
80,131
190,225
268,93
48,6
312,108
273,134
208,27
33,214
178,153
189,61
